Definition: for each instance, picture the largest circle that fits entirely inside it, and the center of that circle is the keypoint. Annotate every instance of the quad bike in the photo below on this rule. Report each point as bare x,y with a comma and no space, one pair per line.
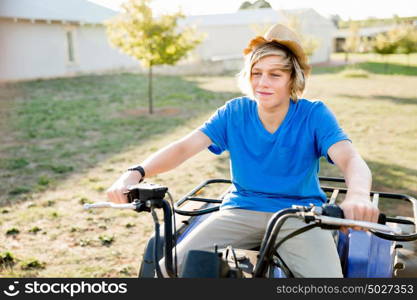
386,249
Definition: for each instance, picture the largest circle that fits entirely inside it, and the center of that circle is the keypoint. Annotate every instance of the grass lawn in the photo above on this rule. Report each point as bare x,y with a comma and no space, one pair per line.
65,141
391,64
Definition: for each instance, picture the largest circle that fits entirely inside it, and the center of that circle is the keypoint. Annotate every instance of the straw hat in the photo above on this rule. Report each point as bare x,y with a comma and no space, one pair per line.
284,36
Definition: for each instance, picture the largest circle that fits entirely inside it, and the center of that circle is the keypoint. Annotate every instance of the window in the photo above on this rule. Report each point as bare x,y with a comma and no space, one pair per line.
70,46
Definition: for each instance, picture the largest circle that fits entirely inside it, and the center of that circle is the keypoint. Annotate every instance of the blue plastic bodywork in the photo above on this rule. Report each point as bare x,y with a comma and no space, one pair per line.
197,221
365,255
362,255
278,273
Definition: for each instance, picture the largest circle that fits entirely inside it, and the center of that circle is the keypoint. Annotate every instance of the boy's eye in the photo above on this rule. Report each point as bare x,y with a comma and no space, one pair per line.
256,73
276,75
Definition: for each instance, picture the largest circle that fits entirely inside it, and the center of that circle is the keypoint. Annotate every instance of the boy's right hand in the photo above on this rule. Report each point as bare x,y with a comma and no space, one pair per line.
117,192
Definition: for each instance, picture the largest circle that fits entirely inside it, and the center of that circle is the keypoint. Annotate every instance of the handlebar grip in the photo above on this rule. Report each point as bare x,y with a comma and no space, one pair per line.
382,218
332,210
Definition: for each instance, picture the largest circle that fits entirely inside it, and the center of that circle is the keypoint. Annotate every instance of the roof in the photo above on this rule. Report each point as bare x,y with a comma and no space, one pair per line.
253,16
55,10
240,17
364,31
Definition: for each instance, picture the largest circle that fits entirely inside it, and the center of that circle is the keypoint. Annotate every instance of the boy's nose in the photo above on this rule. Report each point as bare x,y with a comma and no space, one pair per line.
263,81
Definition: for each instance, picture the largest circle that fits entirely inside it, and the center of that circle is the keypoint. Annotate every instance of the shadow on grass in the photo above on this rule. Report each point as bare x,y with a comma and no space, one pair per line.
371,67
385,177
393,178
65,126
395,100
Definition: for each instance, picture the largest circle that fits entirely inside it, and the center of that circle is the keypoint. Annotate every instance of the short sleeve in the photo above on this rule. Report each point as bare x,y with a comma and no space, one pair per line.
326,130
216,128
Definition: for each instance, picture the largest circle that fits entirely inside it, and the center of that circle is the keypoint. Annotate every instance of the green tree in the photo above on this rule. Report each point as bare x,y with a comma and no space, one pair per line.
261,4
255,5
336,19
151,40
386,43
407,40
352,41
245,5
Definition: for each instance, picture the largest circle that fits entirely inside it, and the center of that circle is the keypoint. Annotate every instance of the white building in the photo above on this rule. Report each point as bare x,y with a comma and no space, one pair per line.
228,34
55,38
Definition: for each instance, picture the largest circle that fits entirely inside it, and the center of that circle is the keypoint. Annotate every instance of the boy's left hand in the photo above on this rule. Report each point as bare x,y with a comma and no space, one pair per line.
360,209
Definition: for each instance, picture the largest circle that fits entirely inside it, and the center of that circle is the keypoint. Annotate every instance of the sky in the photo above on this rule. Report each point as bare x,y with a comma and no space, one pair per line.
347,9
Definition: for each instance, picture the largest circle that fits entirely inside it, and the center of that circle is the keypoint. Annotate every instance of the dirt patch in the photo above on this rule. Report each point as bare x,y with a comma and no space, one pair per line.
163,111
8,91
9,94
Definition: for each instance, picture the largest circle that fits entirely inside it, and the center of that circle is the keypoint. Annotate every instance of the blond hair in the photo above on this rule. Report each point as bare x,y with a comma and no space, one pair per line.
289,64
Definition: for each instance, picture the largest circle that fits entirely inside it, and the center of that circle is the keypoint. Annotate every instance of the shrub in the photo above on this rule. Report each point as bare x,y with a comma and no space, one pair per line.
12,231
106,240
15,163
7,260
85,200
35,229
44,180
19,190
32,264
62,169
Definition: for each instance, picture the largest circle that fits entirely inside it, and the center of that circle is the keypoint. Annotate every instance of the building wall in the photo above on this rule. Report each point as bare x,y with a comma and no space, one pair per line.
325,46
40,50
322,30
28,50
228,40
96,54
225,41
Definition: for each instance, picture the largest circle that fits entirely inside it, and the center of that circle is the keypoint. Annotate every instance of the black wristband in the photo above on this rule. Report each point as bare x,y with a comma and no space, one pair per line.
140,169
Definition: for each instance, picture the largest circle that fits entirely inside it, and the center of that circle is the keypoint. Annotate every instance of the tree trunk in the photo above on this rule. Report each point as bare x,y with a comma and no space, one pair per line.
150,90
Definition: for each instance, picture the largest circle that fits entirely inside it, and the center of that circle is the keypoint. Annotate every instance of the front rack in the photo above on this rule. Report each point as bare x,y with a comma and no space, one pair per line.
334,192
191,196
376,197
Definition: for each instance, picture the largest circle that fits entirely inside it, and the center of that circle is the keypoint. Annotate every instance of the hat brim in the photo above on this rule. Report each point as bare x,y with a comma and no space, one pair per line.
294,47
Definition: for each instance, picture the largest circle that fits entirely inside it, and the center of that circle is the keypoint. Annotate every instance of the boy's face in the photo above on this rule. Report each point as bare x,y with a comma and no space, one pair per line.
270,83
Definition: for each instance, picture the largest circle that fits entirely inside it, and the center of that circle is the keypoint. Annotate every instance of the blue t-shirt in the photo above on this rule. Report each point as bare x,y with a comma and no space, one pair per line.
272,171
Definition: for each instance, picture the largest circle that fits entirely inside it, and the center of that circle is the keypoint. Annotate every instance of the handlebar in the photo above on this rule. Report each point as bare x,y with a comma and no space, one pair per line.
318,215
144,196
354,223
320,219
